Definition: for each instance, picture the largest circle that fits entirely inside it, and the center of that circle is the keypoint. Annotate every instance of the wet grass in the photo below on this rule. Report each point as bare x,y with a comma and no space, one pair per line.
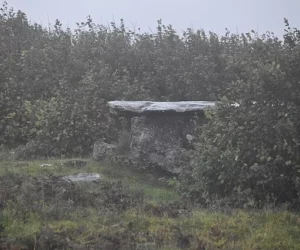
149,219
136,180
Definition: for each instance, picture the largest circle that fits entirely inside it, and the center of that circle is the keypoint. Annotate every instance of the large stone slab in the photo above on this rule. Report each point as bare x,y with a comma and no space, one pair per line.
83,177
146,107
158,141
102,150
161,131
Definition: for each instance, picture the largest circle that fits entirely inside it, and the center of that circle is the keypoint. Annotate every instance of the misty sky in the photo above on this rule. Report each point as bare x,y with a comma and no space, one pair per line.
215,15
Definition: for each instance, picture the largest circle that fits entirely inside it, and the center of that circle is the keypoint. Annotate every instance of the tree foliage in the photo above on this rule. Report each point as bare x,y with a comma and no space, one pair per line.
55,82
54,85
249,153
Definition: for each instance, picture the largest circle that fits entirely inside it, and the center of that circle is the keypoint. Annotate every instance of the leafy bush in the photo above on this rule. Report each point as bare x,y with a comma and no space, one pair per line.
249,151
54,83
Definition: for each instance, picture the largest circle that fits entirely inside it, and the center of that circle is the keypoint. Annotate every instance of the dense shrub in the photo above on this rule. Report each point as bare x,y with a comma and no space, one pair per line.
54,85
55,82
249,152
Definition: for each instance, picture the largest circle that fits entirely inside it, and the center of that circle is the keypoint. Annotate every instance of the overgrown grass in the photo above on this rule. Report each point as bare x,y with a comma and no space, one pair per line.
136,180
127,209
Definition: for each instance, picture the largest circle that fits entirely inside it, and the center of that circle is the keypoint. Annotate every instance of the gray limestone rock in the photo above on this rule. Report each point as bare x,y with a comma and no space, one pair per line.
157,142
83,177
102,150
45,165
145,107
159,131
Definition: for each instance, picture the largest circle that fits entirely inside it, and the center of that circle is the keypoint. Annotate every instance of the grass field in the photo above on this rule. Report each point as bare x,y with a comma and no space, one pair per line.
126,209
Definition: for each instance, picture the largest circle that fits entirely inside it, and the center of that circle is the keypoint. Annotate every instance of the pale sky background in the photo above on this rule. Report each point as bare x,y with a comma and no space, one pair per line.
214,15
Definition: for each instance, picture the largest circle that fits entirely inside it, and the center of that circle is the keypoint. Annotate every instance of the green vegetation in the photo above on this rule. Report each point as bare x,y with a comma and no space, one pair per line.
135,180
54,86
124,210
249,153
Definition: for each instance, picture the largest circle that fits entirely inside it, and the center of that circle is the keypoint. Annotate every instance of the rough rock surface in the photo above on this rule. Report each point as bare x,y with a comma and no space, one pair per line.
45,165
145,107
157,141
103,150
87,177
160,131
